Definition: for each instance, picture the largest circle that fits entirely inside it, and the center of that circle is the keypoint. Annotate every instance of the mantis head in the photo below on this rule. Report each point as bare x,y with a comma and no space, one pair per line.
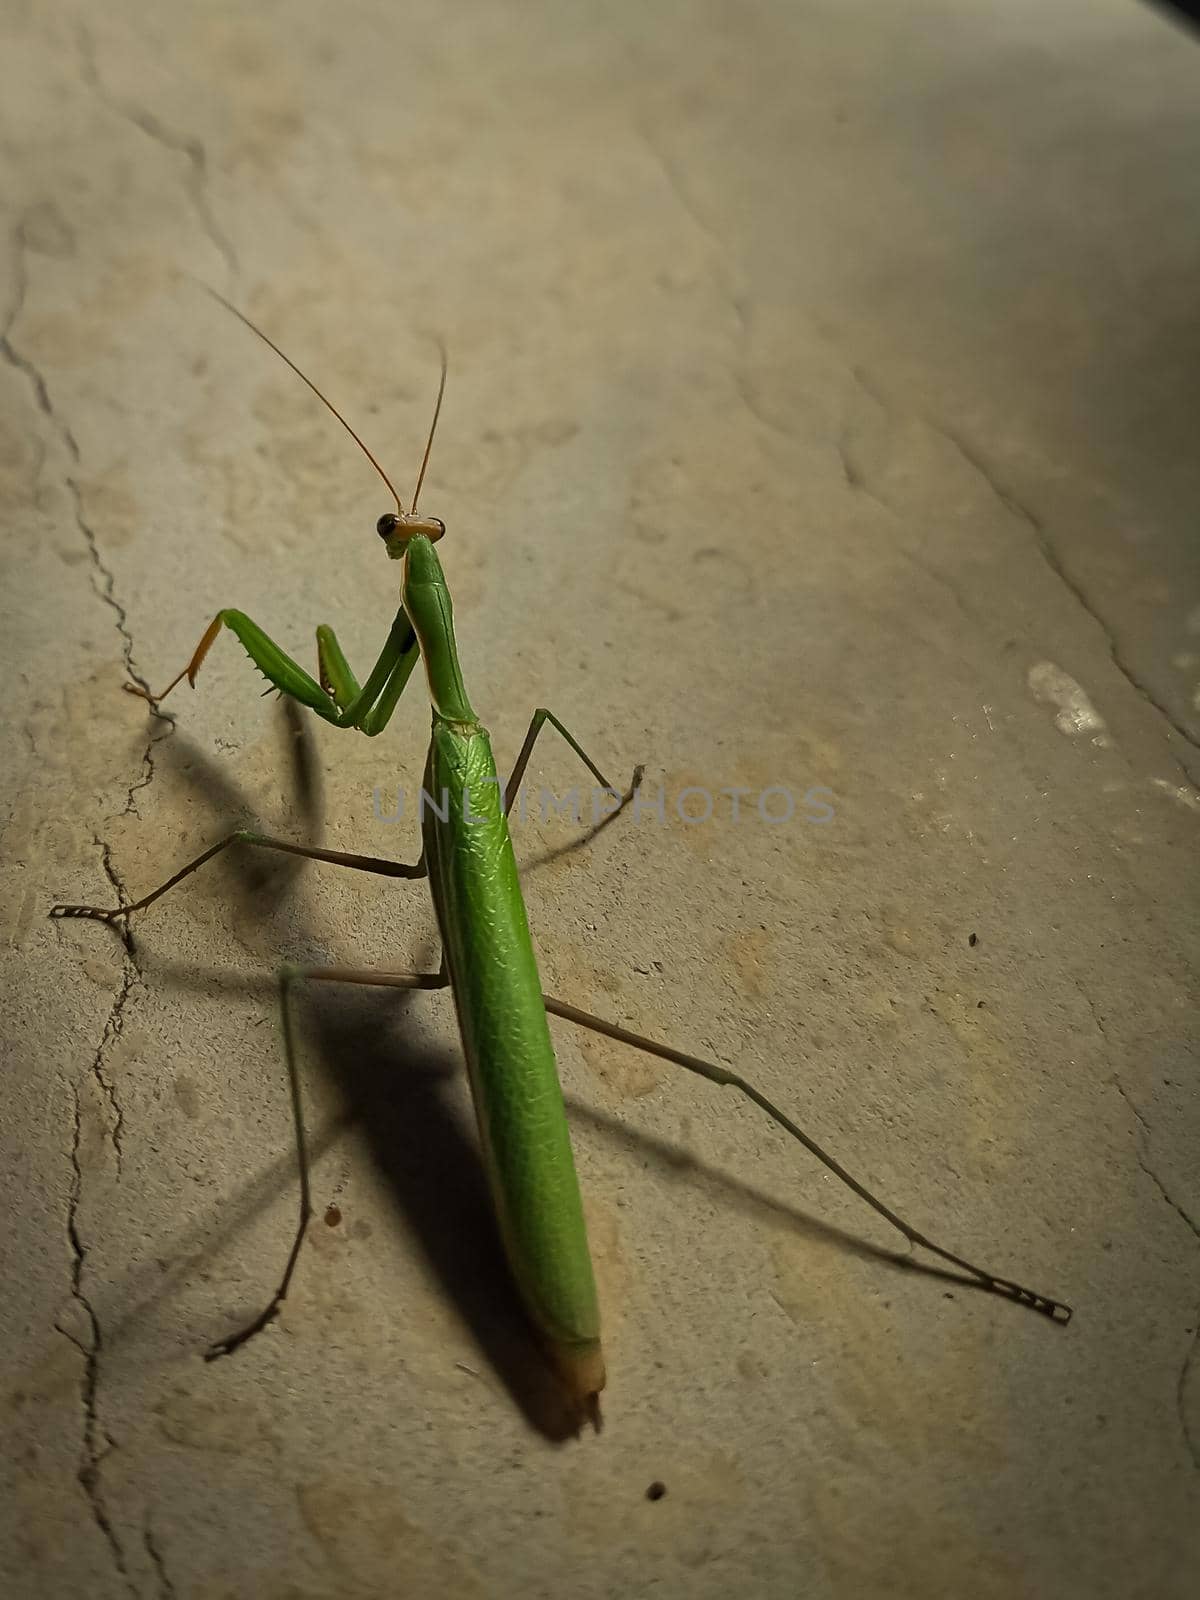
396,529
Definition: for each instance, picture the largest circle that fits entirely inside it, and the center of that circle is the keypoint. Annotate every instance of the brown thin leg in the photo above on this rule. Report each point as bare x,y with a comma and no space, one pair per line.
536,723
1054,1309
287,978
339,858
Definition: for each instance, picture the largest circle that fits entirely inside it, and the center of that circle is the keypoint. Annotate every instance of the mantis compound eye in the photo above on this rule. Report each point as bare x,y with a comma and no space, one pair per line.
387,524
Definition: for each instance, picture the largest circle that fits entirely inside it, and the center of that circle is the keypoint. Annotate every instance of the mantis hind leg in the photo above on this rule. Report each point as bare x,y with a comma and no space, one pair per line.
288,978
1055,1310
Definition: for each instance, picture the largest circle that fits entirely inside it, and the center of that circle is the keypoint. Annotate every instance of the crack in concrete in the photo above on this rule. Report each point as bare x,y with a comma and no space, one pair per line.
940,578
1143,1125
114,1023
92,1455
855,479
166,1588
1049,553
1191,1443
21,363
105,588
1143,1140
674,176
723,274
96,1443
103,578
104,583
192,149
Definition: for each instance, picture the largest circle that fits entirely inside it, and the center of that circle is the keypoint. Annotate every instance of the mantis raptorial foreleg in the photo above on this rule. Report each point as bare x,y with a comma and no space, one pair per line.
337,699
337,678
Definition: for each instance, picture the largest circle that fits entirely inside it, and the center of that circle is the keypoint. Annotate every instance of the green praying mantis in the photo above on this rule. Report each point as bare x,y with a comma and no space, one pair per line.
488,959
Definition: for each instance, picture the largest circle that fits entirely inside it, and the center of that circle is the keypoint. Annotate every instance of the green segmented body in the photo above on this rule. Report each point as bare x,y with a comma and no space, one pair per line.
498,997
485,934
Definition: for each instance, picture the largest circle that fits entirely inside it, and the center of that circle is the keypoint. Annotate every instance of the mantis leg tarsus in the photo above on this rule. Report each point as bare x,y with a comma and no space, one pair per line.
1055,1310
109,914
337,697
338,858
189,672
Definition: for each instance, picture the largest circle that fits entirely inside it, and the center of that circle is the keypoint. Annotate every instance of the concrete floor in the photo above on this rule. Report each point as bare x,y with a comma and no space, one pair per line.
821,412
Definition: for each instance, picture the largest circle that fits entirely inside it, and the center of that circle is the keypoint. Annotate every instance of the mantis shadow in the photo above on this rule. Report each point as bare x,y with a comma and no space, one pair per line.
395,1089
403,1101
398,1092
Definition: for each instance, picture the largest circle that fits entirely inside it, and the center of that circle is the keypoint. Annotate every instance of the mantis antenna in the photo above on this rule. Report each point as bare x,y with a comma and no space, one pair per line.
328,404
437,411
